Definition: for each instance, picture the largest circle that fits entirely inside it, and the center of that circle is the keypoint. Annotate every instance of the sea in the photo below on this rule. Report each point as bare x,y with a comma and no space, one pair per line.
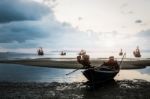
27,73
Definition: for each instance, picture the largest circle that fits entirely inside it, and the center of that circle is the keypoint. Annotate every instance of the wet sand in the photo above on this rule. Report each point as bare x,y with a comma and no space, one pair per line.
125,89
73,64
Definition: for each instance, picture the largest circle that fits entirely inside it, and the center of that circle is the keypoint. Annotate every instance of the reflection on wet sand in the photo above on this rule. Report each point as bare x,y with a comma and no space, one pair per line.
133,74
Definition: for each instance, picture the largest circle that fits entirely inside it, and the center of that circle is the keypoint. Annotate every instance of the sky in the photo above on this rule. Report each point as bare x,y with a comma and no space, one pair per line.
74,24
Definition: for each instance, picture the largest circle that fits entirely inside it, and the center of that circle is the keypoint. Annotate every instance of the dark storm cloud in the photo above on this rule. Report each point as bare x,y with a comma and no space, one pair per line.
20,32
19,22
33,30
19,27
138,21
17,10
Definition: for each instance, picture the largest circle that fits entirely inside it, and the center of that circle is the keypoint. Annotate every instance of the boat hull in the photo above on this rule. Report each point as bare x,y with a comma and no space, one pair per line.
99,75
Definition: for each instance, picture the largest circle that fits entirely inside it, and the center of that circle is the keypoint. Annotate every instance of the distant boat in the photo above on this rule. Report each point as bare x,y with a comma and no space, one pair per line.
137,53
40,51
63,53
99,75
120,53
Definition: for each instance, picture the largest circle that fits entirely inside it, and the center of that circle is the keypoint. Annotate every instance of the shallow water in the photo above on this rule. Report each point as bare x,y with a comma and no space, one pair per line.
21,73
143,74
13,72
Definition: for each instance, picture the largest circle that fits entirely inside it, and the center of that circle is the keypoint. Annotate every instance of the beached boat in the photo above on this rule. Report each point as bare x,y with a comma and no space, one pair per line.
99,75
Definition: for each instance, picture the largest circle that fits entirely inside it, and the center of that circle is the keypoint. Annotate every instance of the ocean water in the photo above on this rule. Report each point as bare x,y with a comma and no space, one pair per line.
22,73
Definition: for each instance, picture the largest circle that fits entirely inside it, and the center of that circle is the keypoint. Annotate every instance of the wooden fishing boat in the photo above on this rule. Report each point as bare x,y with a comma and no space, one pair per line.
100,75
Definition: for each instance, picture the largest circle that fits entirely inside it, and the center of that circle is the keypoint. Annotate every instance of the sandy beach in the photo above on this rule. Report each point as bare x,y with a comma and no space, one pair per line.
73,64
137,89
